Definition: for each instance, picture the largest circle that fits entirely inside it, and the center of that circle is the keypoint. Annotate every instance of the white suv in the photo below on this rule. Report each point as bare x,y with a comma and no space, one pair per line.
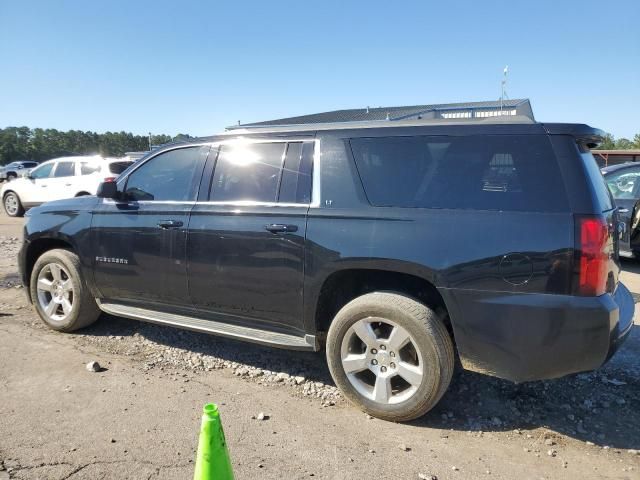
60,178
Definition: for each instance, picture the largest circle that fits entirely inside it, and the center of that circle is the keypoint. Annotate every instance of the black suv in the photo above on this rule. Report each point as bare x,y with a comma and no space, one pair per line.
395,246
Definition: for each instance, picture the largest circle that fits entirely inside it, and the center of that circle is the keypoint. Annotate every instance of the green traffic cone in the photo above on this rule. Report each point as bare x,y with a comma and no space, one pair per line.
212,460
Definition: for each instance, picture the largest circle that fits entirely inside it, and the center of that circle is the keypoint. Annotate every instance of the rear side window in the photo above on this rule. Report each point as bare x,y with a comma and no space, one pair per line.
480,172
295,186
65,169
87,168
118,167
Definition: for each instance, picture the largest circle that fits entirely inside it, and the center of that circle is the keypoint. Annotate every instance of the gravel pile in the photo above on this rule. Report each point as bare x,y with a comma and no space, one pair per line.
158,347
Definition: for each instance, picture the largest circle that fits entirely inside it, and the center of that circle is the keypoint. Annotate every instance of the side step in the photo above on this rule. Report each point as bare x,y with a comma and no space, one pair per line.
255,335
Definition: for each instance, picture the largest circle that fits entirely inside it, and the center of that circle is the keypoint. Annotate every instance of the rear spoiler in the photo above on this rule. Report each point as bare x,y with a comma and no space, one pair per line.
584,134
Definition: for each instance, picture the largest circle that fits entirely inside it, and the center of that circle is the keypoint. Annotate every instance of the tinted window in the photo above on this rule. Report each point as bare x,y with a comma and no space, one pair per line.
295,186
65,169
118,167
43,171
89,168
624,183
30,164
247,172
168,176
603,196
489,172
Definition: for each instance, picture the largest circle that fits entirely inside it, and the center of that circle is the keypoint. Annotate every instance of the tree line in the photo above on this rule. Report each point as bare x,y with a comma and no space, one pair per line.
612,143
24,143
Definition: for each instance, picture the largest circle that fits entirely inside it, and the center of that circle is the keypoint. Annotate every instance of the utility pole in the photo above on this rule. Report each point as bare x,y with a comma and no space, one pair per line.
503,95
149,141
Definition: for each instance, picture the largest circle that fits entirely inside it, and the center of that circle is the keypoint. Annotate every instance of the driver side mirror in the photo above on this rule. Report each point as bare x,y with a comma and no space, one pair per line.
108,190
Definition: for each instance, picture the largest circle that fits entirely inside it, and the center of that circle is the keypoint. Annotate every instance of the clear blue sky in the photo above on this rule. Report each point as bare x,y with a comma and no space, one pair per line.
195,67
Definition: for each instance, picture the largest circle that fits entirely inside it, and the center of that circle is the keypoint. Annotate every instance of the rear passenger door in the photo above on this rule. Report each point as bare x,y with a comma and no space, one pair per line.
61,183
247,233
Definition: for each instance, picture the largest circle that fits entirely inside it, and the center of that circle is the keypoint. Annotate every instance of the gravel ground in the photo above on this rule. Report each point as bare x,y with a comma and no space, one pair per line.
554,420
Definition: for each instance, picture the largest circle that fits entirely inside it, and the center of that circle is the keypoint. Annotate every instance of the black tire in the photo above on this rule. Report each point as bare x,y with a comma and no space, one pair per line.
16,209
433,347
83,311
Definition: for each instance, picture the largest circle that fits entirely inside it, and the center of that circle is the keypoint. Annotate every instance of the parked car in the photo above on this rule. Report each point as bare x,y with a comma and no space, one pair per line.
16,169
393,246
57,179
623,181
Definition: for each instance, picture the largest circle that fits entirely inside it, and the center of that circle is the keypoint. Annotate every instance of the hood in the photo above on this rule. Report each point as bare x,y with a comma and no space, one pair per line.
86,202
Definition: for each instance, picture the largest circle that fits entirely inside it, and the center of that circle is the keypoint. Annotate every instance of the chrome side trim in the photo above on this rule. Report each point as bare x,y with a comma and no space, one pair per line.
254,335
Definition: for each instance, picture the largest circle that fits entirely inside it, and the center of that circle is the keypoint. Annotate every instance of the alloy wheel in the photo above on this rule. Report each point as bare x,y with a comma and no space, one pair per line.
55,292
11,203
381,360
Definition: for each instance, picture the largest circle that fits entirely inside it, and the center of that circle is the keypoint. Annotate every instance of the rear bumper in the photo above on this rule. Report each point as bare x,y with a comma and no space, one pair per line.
522,337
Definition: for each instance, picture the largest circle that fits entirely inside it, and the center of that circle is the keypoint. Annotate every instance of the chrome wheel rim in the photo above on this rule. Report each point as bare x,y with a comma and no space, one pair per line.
11,204
381,361
56,292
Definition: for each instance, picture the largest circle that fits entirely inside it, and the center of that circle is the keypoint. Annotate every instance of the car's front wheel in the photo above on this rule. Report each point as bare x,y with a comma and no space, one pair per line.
390,355
59,292
12,205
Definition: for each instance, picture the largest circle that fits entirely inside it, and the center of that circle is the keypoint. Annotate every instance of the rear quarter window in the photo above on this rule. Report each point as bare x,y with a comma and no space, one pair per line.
600,190
119,167
480,172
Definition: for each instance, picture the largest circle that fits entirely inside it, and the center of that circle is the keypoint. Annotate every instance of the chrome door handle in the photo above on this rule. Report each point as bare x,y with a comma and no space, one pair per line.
623,210
165,224
280,228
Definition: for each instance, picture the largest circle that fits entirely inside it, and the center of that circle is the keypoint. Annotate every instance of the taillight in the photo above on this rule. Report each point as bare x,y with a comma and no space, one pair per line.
109,179
592,236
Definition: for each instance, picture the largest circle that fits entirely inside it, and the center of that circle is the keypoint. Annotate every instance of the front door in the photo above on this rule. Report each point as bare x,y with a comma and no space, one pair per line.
247,236
34,189
140,241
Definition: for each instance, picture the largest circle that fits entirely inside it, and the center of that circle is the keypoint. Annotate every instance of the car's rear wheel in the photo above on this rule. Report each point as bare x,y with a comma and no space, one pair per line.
59,292
390,355
12,205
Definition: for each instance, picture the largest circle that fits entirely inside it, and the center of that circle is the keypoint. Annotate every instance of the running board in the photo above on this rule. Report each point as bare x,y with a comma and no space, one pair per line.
254,335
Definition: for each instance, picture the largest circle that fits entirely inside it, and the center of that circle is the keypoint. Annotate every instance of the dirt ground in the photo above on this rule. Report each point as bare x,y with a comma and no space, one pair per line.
138,418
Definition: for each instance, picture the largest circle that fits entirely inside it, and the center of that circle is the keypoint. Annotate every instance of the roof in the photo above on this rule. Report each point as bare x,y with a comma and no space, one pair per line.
382,113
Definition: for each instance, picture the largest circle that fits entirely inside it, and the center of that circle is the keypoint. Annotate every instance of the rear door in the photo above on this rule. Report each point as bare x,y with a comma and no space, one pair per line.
62,182
247,234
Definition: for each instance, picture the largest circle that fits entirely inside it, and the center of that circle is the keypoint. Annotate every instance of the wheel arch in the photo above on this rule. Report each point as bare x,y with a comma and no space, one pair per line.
342,286
35,249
